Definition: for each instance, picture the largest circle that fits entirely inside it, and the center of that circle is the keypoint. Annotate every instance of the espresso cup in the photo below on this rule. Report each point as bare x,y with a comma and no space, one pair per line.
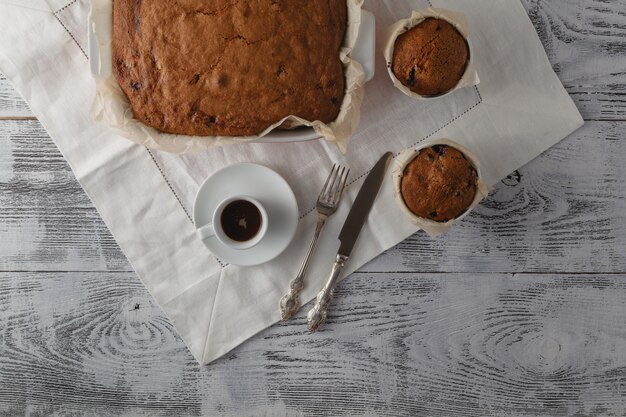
239,222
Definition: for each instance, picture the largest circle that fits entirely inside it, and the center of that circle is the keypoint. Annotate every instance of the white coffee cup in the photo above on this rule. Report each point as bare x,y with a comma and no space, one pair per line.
215,228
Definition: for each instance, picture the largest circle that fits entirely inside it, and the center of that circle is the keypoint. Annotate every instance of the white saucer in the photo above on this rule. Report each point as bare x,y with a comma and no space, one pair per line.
273,193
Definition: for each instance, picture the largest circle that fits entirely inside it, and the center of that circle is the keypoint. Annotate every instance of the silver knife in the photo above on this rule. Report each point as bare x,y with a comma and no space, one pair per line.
348,236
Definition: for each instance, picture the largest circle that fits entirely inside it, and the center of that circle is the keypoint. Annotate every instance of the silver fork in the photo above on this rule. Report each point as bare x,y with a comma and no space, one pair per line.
327,203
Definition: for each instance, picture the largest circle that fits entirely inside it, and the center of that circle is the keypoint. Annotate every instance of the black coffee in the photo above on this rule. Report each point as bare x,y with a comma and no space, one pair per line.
241,220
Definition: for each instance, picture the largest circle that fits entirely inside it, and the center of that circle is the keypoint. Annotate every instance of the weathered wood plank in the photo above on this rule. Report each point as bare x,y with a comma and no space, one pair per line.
46,220
11,104
565,211
395,345
89,342
585,41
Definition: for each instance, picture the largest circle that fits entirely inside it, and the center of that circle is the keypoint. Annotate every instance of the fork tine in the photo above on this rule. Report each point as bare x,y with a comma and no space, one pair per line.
338,185
336,181
341,185
333,189
327,182
331,186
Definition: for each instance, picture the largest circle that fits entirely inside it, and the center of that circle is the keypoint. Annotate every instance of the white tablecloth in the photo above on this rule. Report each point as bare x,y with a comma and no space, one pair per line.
519,110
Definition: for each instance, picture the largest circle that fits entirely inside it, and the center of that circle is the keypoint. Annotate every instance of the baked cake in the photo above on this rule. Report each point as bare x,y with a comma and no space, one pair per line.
430,58
439,184
228,67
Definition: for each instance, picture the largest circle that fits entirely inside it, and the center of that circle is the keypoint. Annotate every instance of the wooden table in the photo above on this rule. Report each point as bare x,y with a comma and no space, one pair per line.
521,310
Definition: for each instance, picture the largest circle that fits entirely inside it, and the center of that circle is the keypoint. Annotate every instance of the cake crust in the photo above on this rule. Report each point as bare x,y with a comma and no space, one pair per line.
430,58
439,183
229,67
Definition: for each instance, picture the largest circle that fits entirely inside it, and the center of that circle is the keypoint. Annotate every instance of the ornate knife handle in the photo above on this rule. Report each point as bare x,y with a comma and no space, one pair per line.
317,315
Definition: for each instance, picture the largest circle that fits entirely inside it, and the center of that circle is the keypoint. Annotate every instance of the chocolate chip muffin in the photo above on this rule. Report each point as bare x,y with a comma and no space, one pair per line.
430,58
227,67
439,183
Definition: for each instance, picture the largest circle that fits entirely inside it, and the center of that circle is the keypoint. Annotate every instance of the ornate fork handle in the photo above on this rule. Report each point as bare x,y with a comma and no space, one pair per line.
317,315
290,303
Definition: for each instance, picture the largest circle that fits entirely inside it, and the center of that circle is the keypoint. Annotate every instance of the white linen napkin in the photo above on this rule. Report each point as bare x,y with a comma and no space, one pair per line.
145,197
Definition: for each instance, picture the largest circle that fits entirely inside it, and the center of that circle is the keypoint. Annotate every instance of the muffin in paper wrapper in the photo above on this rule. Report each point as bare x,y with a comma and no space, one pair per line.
432,227
112,108
458,20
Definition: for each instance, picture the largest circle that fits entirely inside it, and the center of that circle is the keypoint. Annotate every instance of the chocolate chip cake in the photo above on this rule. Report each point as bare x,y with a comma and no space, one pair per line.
439,184
229,67
430,58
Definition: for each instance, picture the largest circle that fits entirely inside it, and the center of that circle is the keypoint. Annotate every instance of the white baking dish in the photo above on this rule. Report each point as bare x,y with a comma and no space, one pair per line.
363,52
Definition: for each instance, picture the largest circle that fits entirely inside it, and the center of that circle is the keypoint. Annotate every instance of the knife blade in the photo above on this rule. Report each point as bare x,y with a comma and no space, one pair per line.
348,236
362,205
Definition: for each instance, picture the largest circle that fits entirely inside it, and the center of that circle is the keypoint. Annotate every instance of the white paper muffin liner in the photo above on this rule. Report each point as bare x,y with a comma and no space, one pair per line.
432,227
458,20
112,108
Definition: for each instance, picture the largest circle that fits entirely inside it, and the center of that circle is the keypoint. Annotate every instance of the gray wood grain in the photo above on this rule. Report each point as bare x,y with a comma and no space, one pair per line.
564,211
585,41
46,220
11,104
396,344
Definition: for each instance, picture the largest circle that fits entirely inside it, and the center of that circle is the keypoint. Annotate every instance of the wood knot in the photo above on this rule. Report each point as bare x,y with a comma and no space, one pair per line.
513,179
